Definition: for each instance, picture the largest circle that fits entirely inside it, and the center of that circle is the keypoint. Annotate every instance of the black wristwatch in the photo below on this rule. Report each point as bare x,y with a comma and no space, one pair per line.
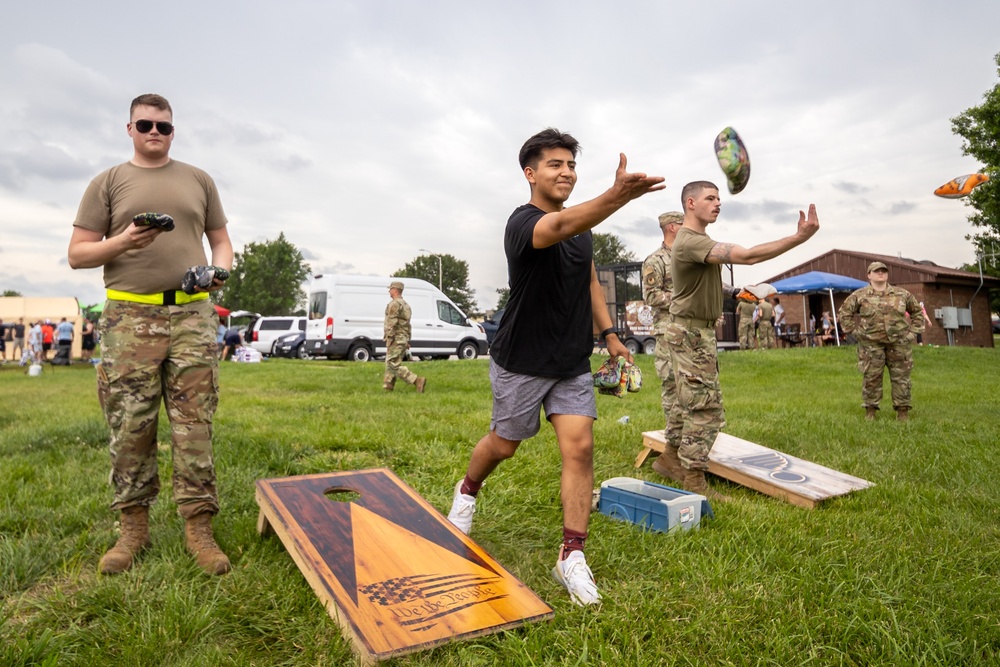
610,330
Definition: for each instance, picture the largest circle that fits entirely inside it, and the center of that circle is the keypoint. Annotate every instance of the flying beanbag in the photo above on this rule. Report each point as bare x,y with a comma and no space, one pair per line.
961,186
733,158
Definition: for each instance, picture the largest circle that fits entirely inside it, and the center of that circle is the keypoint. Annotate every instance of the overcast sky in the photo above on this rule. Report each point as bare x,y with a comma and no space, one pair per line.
368,130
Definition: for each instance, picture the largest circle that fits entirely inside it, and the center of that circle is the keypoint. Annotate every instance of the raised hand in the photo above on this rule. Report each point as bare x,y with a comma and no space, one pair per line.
808,225
634,185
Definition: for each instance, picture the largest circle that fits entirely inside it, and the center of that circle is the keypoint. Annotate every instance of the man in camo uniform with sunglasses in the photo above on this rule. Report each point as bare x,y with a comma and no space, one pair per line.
144,221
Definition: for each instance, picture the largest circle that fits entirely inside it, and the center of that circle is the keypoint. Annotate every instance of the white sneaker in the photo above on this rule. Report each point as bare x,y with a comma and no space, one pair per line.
462,509
576,577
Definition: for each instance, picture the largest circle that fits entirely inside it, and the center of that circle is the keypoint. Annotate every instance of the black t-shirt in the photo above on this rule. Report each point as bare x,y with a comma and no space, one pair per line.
547,329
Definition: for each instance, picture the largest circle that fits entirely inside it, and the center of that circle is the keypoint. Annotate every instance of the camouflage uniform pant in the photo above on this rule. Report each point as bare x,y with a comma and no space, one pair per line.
668,393
152,354
765,336
393,364
872,359
695,364
746,335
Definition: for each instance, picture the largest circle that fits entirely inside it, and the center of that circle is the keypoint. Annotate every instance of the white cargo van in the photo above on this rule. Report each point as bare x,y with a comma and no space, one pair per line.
346,314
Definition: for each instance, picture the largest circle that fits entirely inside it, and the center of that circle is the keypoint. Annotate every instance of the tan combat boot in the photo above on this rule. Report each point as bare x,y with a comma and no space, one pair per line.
694,481
870,413
201,544
420,384
903,414
134,538
389,385
668,465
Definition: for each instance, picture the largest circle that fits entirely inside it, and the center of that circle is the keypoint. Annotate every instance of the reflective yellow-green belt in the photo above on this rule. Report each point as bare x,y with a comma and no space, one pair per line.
171,298
693,323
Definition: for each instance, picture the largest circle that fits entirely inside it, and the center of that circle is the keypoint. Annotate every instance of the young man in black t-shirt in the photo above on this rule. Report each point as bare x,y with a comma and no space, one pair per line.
541,354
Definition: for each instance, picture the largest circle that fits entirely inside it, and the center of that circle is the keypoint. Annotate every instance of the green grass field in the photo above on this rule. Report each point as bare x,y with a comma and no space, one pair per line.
905,573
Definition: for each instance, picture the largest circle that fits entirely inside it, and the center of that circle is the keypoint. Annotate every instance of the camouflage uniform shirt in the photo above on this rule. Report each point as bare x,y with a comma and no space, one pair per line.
657,286
881,316
396,327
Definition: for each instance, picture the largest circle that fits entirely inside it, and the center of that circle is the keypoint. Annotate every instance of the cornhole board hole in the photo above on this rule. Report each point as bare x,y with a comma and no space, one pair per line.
769,471
394,573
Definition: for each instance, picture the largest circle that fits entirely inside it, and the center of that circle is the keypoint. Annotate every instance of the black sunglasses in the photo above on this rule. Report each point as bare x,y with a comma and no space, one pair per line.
162,126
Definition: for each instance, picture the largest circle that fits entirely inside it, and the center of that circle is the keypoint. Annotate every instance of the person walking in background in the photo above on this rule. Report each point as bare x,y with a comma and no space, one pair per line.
695,308
885,320
4,336
541,353
174,360
765,330
396,331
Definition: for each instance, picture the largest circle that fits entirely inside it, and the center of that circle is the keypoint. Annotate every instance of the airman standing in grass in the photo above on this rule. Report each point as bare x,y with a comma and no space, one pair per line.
765,330
746,308
157,342
877,316
541,354
697,303
396,331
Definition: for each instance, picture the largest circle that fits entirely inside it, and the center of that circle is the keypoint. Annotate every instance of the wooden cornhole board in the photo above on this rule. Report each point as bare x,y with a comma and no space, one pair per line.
393,573
769,471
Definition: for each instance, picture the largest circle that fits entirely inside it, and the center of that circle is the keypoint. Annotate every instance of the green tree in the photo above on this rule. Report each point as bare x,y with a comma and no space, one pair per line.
609,249
979,128
266,278
453,278
11,292
504,293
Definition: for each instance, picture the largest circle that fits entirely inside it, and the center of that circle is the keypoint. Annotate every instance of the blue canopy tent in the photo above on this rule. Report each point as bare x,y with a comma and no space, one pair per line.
819,282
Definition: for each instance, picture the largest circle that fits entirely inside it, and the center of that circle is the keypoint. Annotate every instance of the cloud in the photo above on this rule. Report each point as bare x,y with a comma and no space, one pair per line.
850,188
770,209
901,207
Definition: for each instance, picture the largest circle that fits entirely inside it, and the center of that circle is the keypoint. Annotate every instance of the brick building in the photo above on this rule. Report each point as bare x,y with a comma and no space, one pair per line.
956,301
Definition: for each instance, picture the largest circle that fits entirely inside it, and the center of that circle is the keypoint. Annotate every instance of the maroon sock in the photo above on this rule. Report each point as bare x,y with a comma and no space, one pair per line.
470,487
572,541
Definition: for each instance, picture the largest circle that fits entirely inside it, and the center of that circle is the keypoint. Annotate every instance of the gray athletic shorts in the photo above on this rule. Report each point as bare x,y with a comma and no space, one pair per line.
518,398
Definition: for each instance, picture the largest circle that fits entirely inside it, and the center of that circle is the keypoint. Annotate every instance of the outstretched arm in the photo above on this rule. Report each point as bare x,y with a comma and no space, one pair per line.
731,253
558,226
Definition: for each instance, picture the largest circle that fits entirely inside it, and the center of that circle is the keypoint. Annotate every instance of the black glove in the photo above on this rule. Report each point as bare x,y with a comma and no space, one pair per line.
161,220
200,278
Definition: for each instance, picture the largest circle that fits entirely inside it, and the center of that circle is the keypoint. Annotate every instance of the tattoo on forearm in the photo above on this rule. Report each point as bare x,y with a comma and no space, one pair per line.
723,251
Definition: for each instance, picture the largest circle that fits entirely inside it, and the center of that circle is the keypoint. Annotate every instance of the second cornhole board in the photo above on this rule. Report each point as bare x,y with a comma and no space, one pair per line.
394,573
769,471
